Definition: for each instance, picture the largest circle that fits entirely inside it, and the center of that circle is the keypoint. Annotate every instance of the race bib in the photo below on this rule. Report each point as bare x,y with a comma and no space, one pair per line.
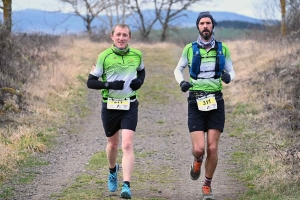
118,104
207,103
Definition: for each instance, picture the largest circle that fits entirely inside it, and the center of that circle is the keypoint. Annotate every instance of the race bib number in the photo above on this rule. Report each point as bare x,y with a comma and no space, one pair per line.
207,103
118,104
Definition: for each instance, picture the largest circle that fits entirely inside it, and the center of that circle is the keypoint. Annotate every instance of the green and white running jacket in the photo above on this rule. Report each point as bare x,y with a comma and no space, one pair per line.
113,64
205,81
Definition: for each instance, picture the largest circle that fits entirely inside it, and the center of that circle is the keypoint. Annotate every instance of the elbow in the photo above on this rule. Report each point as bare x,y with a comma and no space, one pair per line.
88,84
232,76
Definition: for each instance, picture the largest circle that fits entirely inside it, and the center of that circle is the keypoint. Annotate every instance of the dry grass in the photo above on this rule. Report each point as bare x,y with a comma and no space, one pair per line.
266,82
260,96
47,98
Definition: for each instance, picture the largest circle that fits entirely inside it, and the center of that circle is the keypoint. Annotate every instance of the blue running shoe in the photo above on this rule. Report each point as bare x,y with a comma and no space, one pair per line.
125,194
113,180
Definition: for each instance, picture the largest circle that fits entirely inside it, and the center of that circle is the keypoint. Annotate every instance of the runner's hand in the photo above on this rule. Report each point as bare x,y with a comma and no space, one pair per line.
226,77
136,84
185,86
116,85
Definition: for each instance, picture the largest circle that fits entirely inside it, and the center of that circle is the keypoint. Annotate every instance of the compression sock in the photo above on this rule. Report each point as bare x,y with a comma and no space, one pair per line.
207,181
199,160
127,183
113,170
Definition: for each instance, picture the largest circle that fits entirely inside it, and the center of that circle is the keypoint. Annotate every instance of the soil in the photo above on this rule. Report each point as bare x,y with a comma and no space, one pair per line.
73,150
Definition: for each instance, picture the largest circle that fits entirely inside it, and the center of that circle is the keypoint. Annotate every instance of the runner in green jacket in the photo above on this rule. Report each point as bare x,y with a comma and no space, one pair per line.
121,71
206,109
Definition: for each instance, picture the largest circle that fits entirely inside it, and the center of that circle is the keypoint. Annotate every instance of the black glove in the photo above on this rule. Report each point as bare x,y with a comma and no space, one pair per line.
185,86
136,84
116,85
226,77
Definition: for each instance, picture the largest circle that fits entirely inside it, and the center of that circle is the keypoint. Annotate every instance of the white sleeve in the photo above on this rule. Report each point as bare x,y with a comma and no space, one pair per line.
97,71
178,72
229,68
141,67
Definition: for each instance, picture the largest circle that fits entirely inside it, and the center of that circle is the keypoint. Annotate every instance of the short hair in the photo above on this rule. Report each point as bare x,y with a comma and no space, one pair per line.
122,26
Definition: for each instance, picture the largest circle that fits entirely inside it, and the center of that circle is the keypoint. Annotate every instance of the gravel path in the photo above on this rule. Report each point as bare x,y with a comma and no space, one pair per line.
169,138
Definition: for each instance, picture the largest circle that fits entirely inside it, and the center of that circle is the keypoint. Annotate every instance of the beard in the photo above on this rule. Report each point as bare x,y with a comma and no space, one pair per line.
205,35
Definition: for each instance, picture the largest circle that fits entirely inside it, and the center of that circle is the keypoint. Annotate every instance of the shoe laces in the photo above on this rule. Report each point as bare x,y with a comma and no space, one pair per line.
206,189
112,177
126,189
196,166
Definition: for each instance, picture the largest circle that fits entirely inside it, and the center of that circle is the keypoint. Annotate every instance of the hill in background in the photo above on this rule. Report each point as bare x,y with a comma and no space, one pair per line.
32,20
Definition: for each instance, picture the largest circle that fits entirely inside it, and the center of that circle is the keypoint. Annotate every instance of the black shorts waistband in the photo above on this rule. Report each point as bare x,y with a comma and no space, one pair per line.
195,94
131,98
202,93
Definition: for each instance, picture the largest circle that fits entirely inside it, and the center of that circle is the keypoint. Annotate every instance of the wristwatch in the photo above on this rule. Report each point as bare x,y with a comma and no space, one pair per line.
106,84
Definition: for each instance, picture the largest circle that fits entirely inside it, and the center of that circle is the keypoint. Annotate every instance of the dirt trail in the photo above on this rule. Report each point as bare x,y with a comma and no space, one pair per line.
68,158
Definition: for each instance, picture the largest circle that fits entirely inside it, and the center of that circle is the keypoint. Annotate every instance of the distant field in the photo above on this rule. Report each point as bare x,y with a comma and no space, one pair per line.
186,35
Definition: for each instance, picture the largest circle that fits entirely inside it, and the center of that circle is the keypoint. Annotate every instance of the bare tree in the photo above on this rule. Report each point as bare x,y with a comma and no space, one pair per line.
92,9
289,11
292,17
283,20
138,14
169,10
7,15
117,12
144,19
268,11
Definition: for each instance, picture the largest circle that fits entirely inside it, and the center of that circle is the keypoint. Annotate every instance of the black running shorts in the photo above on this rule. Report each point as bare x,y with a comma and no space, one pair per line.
204,120
114,120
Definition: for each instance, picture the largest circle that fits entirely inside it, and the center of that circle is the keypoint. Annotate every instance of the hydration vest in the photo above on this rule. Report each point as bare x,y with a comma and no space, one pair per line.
196,62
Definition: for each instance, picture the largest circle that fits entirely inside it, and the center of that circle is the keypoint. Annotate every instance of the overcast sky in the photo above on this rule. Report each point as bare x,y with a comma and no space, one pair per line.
248,8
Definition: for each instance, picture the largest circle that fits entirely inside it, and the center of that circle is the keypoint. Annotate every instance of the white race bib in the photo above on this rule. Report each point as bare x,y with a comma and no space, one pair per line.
118,104
207,103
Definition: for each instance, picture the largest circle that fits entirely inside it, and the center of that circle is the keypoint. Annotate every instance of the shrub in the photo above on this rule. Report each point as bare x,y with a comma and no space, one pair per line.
21,56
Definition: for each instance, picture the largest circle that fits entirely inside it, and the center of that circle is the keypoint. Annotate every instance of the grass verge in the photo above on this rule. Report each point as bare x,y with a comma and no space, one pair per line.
260,117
